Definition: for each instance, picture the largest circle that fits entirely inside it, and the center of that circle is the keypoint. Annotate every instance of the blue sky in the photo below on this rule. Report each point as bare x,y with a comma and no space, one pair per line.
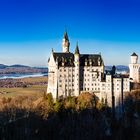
30,28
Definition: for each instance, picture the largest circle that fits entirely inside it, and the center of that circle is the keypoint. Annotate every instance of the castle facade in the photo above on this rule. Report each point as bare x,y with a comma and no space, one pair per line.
70,74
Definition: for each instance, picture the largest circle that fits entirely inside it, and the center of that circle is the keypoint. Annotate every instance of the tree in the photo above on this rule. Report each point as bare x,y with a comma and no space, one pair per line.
86,100
70,103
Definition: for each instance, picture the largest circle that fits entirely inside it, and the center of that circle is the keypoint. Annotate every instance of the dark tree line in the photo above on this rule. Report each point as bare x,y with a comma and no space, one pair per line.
73,118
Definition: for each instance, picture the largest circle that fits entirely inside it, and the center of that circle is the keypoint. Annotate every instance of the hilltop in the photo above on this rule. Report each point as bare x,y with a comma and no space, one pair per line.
17,68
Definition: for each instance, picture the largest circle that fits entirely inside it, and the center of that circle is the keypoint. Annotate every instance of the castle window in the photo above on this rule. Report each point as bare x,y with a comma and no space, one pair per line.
60,85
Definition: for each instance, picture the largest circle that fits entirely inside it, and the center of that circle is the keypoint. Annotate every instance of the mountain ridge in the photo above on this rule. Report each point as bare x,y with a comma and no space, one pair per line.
18,65
21,69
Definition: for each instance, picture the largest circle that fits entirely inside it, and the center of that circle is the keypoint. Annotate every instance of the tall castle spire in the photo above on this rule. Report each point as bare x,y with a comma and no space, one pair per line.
65,43
77,49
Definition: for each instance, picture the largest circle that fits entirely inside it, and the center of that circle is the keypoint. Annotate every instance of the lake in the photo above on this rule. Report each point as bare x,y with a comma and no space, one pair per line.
19,76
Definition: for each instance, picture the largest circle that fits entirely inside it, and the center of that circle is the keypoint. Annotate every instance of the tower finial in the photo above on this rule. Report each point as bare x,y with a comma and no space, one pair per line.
52,50
66,35
65,28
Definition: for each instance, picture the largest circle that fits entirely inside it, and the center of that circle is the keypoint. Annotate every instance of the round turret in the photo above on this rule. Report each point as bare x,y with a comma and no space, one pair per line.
134,58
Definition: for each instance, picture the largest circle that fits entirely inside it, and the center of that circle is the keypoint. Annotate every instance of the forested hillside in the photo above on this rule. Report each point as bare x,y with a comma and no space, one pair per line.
73,118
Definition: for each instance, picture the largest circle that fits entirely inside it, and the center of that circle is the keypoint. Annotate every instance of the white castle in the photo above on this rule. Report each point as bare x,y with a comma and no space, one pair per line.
69,74
134,68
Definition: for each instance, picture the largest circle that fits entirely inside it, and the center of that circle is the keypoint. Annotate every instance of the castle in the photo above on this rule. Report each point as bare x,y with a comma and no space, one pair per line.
134,68
70,74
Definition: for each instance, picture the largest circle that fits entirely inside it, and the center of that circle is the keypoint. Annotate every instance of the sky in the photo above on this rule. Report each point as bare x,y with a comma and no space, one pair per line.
29,29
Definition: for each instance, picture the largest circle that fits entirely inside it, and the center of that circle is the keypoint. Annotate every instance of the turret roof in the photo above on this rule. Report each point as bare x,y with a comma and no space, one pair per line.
134,54
77,49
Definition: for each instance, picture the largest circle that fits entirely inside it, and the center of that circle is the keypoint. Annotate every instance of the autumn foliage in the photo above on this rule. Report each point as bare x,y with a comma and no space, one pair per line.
84,117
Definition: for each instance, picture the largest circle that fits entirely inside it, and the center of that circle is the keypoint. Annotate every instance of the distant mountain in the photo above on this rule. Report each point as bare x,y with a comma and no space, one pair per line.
19,66
122,67
21,69
119,68
2,66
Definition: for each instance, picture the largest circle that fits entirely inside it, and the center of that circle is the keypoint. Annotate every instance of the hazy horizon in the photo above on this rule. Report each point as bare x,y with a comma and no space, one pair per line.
31,28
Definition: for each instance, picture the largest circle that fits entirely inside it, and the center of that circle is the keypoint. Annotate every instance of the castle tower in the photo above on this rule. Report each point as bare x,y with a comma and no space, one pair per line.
113,70
77,70
134,58
65,43
134,68
52,76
